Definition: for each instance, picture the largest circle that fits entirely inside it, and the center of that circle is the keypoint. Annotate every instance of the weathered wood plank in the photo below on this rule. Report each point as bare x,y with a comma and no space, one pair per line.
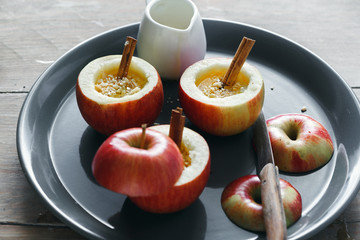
339,230
31,42
18,202
14,232
330,30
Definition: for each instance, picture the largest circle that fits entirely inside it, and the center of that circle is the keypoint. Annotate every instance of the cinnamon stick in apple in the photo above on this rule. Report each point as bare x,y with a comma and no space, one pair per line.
238,61
128,52
177,123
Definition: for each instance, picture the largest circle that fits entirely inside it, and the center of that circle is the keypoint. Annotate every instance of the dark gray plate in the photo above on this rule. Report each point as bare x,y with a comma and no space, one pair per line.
56,146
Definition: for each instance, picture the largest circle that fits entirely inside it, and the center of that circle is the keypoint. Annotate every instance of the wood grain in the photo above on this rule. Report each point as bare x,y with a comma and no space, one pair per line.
16,194
35,34
14,232
273,210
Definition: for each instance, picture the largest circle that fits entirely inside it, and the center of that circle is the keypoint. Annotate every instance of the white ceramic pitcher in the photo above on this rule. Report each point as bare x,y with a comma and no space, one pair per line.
171,36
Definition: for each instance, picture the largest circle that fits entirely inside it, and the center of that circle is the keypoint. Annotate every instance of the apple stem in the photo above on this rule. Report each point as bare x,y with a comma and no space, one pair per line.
128,52
142,143
177,123
238,61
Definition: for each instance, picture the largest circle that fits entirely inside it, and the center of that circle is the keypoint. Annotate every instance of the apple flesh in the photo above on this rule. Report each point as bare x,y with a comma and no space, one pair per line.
108,115
191,182
299,142
120,165
222,116
241,202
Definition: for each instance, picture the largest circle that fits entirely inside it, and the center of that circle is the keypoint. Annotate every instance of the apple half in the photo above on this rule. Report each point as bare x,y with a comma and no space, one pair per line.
222,116
241,202
108,114
122,166
191,182
299,142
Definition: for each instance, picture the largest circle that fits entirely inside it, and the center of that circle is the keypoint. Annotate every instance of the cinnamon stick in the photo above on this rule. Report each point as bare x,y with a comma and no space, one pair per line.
238,61
179,109
143,134
177,123
128,52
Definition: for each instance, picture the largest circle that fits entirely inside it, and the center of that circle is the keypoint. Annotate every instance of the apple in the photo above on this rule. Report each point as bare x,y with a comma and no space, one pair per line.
108,114
241,202
299,142
225,115
191,182
120,165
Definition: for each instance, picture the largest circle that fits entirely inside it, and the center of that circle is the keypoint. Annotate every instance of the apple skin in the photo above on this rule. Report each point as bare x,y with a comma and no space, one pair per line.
299,142
120,165
110,115
220,116
183,193
241,202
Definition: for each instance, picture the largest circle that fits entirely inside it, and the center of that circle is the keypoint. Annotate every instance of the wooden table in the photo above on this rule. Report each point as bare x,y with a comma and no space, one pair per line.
35,33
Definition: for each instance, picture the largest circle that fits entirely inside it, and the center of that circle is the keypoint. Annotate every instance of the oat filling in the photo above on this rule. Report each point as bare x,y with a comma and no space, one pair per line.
185,154
211,85
108,84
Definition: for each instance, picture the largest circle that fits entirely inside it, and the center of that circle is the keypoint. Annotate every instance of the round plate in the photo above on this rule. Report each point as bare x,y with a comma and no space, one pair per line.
56,146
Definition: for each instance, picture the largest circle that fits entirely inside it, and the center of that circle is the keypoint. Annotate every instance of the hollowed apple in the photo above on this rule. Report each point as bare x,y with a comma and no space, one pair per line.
192,180
218,109
122,166
112,108
299,142
241,202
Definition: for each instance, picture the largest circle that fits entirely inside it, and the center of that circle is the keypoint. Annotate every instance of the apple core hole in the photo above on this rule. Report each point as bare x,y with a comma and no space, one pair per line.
256,195
135,143
292,132
146,146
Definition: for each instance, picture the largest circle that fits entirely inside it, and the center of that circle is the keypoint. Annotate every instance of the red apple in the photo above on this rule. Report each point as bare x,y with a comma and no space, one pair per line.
191,182
221,116
108,114
241,202
123,167
299,142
